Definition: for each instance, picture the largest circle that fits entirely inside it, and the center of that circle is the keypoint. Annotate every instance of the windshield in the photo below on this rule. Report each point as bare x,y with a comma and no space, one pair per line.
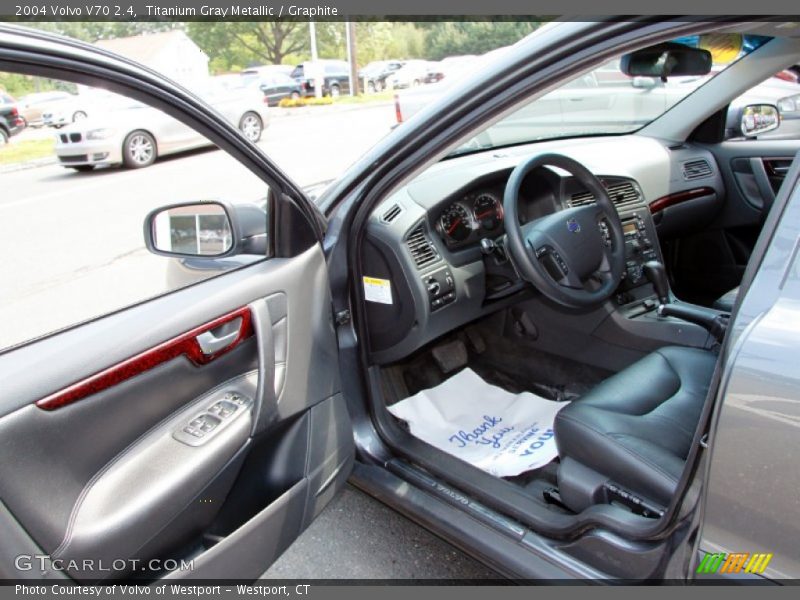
605,101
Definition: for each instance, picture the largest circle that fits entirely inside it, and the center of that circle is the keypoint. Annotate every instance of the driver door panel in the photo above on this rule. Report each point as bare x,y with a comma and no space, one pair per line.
108,473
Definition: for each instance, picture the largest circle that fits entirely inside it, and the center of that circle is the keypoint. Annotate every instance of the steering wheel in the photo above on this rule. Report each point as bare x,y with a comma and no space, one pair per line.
576,256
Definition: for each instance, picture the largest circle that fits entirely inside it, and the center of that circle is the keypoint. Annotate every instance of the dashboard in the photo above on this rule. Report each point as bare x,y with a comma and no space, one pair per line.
426,240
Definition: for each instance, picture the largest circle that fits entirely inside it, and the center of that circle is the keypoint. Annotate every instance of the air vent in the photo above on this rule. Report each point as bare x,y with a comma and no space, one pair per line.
696,169
421,247
622,194
391,214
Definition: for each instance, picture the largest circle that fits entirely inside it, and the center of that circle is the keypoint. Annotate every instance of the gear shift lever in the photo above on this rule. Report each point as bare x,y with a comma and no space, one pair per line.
657,275
713,321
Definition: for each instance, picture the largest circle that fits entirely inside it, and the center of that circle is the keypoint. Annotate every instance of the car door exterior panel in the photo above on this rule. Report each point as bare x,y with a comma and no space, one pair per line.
111,479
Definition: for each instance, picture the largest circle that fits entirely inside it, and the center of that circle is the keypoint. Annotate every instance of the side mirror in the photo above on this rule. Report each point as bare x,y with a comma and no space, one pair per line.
644,83
667,60
202,229
752,120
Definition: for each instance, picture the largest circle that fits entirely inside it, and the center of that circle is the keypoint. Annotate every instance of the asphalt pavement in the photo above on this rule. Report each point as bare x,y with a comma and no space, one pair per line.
357,537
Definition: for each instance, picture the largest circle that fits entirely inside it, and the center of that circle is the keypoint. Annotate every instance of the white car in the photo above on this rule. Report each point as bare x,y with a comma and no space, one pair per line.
134,135
412,74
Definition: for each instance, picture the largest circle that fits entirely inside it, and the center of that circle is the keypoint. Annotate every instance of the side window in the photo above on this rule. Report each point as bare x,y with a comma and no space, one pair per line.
74,196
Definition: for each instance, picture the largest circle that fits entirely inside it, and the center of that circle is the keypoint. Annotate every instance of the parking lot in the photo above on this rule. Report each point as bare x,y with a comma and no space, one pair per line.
89,225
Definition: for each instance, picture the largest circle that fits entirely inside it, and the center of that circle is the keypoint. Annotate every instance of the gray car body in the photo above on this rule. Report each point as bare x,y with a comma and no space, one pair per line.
751,503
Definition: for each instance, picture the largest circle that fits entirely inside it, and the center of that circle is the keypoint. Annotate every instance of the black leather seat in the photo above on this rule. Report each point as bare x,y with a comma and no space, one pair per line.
636,427
727,300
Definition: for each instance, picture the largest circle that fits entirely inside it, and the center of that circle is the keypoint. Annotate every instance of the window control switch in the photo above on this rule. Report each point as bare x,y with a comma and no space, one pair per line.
223,410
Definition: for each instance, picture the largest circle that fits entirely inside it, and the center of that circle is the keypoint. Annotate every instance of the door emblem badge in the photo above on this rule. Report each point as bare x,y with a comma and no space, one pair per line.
573,226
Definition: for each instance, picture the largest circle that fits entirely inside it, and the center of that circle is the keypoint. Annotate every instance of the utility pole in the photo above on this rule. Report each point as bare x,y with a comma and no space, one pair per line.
350,34
315,76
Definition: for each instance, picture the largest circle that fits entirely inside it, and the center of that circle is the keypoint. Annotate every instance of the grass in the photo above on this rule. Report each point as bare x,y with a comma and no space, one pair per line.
384,96
23,151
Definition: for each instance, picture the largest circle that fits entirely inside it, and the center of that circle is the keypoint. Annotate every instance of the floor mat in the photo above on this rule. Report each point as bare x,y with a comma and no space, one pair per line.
499,432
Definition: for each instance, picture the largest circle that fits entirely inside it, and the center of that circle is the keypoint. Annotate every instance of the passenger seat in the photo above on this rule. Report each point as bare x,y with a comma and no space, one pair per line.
727,300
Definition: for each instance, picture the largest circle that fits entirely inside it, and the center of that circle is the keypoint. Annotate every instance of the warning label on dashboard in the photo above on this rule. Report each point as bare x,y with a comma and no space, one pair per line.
377,290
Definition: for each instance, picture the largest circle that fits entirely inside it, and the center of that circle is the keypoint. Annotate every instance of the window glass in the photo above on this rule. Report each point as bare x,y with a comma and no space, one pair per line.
77,190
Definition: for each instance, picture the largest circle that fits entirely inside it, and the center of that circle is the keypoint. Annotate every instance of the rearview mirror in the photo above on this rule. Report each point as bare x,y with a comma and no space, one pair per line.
752,120
667,60
193,229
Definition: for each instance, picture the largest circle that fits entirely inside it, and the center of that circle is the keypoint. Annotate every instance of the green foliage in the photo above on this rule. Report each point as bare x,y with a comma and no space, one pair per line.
93,31
381,40
451,38
19,85
17,151
234,46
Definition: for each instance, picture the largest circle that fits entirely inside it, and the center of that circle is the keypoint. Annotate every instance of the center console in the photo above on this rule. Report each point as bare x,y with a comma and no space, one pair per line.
640,246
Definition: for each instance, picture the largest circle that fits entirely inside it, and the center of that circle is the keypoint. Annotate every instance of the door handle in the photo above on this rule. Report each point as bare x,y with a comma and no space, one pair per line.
213,341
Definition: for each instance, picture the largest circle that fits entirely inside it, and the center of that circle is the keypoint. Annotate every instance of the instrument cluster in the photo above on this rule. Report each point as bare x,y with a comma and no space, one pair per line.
475,216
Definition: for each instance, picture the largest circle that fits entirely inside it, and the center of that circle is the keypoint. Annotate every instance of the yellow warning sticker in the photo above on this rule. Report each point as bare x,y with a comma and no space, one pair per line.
377,290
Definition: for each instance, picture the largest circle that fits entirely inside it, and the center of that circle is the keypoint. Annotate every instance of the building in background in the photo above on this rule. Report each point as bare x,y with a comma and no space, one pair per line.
171,53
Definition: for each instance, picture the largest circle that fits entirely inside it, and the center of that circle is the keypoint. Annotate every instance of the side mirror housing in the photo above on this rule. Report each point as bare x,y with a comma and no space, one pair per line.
209,230
644,83
752,120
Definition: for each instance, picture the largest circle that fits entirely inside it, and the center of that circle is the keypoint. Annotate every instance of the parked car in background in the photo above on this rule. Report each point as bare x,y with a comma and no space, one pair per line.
447,66
273,85
11,123
74,108
264,70
135,135
411,75
33,106
373,77
335,76
6,98
278,86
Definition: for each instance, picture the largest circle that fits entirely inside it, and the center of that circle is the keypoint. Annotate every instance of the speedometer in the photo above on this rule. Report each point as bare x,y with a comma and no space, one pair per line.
488,211
455,223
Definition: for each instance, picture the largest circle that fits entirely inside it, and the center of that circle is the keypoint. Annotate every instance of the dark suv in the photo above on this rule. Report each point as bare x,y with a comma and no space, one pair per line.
335,75
11,123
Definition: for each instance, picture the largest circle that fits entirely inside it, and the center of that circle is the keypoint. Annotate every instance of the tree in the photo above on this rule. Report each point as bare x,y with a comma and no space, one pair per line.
450,38
240,44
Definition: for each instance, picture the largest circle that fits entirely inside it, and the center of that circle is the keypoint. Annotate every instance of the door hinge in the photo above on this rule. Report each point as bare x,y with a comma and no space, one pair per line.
704,441
343,317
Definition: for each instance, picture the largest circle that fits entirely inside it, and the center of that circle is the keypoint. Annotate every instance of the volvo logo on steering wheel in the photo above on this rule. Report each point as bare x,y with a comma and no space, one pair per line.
573,226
